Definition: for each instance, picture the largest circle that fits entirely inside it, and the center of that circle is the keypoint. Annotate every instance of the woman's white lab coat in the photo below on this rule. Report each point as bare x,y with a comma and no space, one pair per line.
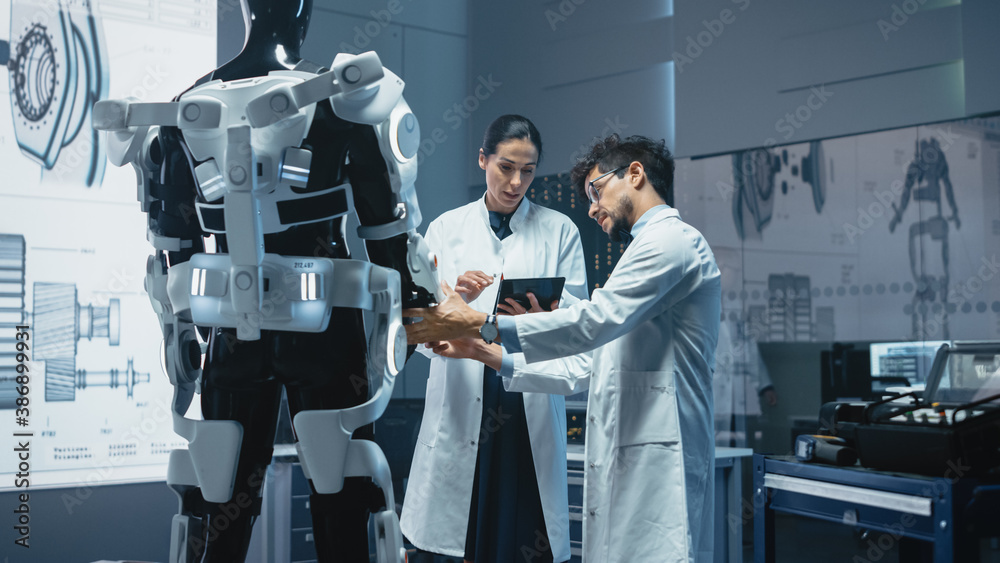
435,514
648,485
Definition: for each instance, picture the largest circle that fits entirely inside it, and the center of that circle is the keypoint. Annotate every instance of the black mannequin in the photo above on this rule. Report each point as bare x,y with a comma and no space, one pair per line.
242,380
275,32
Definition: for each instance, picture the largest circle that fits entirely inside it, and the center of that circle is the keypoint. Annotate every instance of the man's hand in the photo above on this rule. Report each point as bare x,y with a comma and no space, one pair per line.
472,283
449,320
769,397
512,307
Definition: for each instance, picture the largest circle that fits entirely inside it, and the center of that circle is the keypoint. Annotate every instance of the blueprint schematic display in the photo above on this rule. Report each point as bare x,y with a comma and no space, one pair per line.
72,236
882,236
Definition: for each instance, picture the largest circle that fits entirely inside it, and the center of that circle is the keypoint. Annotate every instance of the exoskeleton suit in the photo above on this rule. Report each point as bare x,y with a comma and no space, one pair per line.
264,155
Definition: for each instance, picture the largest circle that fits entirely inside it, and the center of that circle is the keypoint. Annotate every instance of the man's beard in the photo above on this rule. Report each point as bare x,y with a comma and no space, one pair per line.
619,223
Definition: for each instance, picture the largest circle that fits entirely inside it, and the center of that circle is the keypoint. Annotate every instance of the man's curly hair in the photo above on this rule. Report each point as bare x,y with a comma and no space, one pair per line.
613,152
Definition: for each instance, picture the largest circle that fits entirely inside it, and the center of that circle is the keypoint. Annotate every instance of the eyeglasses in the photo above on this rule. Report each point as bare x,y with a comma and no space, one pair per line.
592,191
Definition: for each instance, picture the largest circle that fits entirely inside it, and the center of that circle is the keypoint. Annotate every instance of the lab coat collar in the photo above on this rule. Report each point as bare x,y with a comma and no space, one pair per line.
515,220
656,212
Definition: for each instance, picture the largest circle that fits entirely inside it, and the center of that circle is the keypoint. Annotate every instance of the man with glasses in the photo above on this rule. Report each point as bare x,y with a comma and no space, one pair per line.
652,332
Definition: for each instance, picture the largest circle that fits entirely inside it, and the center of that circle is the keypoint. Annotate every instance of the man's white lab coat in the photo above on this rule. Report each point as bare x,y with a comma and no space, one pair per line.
648,486
435,514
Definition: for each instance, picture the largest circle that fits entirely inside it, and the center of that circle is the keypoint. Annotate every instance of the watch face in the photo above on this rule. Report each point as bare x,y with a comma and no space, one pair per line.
489,332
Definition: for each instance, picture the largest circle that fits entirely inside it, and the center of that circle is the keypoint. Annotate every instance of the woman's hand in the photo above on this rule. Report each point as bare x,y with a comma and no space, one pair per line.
472,348
457,348
471,284
512,307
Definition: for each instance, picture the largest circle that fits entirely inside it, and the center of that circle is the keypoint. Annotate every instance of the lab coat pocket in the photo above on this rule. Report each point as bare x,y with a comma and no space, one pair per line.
433,408
647,408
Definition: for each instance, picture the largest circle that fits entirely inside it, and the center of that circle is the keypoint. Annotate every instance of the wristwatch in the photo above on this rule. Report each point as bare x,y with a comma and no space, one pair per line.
489,330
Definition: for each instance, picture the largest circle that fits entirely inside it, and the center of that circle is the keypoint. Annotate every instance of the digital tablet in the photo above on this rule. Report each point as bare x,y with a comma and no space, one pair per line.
546,290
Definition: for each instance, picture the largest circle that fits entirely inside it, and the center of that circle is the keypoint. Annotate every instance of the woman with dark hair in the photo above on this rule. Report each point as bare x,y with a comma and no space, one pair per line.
488,480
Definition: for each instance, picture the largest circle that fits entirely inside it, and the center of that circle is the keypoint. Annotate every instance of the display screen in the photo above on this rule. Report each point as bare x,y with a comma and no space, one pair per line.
85,390
546,290
969,373
909,360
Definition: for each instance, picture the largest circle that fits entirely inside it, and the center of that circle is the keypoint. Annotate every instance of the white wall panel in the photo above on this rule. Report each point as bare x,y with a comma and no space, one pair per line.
435,82
578,70
447,16
981,46
888,63
864,50
334,32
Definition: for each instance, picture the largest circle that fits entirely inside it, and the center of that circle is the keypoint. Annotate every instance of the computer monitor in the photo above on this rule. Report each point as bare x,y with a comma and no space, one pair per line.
845,373
904,360
965,372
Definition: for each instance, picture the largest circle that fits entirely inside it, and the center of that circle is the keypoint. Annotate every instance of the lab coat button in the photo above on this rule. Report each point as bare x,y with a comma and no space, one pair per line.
593,465
592,419
472,442
593,513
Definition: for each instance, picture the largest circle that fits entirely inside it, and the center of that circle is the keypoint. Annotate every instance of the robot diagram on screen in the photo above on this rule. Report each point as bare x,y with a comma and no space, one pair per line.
926,175
59,321
759,173
57,63
264,155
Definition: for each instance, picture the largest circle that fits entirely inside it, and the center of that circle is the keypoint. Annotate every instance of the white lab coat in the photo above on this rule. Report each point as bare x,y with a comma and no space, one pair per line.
740,376
648,485
435,514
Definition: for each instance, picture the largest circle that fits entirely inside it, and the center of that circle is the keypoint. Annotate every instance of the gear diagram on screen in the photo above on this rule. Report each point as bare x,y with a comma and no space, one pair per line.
57,69
59,321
